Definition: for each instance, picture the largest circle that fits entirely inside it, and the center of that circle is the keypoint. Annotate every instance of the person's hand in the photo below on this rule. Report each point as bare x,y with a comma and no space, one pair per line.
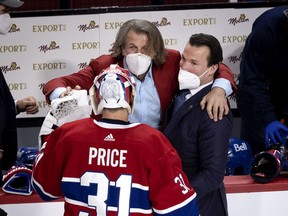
217,105
69,90
274,133
28,105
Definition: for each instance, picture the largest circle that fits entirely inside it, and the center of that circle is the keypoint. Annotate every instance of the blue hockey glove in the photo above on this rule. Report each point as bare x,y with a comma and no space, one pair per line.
275,133
18,181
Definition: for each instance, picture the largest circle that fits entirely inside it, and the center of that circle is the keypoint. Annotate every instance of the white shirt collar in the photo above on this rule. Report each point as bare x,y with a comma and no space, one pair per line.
194,91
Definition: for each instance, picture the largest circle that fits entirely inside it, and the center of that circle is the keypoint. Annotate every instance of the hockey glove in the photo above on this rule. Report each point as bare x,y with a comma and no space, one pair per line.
18,181
274,133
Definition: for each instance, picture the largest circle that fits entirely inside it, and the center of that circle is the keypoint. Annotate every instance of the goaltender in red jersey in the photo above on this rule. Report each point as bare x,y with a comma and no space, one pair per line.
112,166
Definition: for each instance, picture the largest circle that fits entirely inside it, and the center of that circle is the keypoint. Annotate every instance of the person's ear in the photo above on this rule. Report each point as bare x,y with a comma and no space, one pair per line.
213,69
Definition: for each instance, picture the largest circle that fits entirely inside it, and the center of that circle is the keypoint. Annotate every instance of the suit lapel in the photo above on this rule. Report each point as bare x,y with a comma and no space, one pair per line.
189,105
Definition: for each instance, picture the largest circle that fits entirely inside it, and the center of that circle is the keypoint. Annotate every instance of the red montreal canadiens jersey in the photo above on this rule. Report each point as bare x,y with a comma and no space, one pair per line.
111,169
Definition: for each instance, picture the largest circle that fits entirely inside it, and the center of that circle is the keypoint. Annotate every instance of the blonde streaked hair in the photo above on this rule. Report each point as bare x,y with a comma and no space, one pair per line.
139,26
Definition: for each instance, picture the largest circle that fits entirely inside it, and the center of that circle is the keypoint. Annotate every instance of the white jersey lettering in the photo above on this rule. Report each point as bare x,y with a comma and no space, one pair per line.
107,157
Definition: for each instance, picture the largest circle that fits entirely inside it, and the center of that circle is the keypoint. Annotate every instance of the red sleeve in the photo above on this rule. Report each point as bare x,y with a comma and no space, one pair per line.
84,78
226,73
47,168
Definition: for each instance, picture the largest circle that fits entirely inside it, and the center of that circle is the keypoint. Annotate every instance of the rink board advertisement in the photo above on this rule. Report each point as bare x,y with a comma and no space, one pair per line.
38,49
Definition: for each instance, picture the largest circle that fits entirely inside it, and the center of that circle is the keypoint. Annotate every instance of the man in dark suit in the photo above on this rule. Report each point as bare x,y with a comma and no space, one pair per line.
201,143
9,107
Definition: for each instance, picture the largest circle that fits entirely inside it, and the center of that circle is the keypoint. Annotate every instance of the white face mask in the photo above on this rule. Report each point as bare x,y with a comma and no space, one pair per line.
189,80
138,63
5,23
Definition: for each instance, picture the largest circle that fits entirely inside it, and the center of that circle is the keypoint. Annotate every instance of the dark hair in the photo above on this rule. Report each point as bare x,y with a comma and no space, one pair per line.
155,39
216,53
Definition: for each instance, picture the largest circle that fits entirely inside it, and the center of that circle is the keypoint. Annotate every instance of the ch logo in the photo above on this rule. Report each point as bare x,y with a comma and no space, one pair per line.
179,179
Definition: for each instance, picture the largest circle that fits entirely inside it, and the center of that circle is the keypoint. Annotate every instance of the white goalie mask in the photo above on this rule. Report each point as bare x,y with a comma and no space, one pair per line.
113,88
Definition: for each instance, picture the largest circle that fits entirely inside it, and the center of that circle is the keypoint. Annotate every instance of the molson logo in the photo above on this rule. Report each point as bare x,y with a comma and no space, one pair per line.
49,66
199,21
84,27
83,65
164,22
12,67
241,19
14,28
17,86
49,28
52,46
13,48
41,85
235,58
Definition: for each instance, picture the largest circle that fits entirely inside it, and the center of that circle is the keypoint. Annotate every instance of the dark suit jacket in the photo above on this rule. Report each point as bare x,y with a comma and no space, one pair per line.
8,131
202,145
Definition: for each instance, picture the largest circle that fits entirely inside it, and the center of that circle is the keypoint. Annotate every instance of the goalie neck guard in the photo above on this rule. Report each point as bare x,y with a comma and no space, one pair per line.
113,88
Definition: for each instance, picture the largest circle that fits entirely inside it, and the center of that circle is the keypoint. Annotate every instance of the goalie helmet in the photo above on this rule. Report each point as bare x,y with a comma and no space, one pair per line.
240,157
113,88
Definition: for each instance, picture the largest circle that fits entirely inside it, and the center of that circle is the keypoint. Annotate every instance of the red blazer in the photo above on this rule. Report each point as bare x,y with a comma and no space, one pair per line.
165,77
